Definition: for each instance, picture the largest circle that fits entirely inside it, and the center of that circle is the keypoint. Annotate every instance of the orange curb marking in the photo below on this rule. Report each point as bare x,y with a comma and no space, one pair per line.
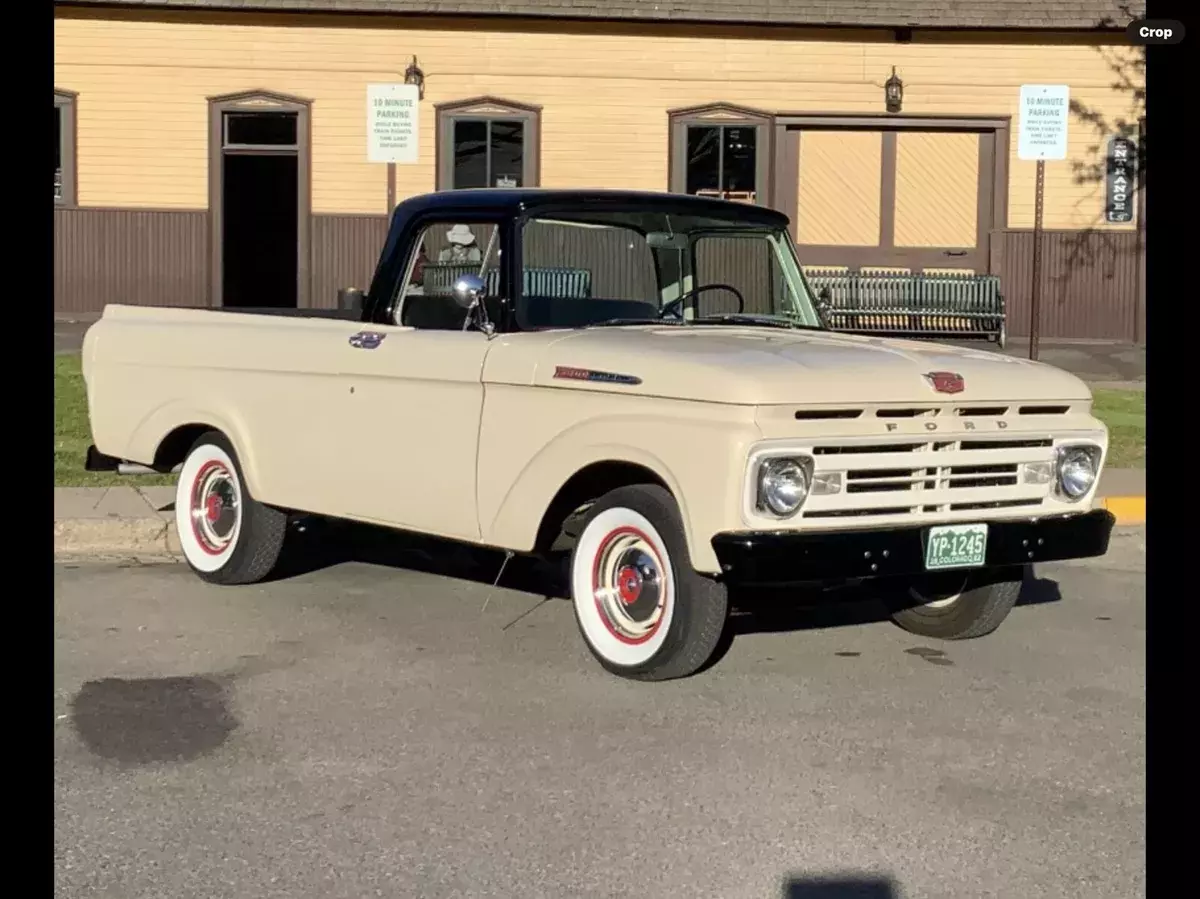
1127,509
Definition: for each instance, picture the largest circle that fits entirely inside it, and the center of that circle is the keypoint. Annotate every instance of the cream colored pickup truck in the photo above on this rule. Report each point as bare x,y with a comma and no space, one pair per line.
643,379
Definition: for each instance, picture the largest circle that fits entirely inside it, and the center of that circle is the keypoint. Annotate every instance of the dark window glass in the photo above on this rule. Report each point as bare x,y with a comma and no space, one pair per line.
260,129
470,155
722,161
703,159
738,163
58,152
507,145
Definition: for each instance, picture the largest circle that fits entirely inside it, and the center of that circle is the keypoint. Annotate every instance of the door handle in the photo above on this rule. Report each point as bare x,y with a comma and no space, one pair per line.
956,252
366,340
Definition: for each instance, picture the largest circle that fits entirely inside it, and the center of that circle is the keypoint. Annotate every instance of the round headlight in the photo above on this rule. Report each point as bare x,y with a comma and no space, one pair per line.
782,486
1077,470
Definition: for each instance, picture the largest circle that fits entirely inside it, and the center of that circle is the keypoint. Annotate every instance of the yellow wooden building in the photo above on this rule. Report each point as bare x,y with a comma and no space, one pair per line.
206,141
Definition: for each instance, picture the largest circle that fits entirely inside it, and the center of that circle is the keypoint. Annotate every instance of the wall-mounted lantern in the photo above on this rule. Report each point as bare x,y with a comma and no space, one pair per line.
413,75
893,92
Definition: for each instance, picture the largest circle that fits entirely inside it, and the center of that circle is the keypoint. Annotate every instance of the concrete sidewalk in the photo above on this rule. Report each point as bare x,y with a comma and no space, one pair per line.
140,521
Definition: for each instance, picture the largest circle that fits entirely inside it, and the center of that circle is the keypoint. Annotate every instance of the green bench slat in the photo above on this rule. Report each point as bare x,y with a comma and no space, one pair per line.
934,304
557,282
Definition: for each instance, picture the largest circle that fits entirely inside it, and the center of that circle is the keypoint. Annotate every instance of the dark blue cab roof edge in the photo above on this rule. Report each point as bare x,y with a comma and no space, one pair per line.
522,200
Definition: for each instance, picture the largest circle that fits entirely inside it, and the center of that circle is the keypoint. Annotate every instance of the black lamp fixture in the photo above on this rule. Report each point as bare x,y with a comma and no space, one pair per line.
414,75
893,92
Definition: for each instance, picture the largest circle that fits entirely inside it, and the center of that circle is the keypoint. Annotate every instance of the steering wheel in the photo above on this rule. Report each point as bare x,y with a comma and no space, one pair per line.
674,309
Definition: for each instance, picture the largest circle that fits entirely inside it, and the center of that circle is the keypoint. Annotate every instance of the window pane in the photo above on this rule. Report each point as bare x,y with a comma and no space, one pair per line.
260,129
703,159
470,155
508,154
744,263
446,251
739,162
58,152
592,262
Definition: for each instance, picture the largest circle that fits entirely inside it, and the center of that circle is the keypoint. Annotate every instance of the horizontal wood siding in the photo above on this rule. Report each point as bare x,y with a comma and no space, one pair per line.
605,89
1090,283
131,256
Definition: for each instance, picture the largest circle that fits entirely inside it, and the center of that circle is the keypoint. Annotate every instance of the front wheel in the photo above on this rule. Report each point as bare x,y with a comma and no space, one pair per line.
956,606
644,613
226,536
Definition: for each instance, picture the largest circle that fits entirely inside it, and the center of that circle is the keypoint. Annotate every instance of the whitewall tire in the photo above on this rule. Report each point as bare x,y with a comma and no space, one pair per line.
226,536
643,612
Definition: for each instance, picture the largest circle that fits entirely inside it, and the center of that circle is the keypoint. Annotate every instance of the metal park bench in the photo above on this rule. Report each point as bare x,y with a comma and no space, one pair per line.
920,305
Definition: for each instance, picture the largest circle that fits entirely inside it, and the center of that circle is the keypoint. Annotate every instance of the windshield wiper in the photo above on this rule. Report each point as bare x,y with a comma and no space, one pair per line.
759,320
634,321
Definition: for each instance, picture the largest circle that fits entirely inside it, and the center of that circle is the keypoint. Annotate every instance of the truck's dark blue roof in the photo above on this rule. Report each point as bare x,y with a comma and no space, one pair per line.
516,201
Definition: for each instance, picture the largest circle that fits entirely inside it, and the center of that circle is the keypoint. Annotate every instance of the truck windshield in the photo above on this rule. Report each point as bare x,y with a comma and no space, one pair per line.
638,267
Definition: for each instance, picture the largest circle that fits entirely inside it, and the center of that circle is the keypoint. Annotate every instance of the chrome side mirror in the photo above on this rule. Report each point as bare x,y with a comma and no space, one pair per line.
469,291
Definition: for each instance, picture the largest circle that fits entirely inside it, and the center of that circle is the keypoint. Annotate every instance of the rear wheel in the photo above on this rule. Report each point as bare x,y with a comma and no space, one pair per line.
958,606
227,536
643,611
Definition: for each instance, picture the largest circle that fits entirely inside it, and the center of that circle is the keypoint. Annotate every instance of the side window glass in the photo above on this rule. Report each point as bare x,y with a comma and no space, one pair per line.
747,264
444,252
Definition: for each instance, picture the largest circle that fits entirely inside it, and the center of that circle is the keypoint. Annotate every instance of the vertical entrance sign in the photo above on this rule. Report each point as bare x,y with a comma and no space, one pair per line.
392,129
1119,174
1041,135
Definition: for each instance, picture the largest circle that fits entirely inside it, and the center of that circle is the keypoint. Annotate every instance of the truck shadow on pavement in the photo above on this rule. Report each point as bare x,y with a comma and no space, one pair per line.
324,544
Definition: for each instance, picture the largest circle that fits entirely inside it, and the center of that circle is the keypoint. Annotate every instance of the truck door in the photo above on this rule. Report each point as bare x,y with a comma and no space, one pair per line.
414,394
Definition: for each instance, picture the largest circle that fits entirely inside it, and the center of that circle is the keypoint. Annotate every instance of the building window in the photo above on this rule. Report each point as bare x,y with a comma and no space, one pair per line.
488,143
721,162
721,151
64,148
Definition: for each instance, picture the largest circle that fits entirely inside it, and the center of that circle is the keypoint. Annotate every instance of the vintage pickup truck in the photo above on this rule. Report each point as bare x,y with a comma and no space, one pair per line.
645,380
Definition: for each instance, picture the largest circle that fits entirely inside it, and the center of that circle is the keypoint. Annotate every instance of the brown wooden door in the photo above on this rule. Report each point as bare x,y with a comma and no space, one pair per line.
894,199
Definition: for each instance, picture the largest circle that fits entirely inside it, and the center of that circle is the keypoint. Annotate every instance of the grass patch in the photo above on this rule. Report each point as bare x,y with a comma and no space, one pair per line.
72,433
1124,411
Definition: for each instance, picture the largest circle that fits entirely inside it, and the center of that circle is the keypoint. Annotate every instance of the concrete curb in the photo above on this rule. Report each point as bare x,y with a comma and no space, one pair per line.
116,536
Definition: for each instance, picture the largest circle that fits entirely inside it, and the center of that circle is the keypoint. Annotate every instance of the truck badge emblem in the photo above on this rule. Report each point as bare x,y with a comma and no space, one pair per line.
366,340
946,381
567,373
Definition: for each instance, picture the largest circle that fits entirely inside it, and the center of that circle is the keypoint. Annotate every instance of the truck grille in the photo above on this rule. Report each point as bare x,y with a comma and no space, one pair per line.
928,477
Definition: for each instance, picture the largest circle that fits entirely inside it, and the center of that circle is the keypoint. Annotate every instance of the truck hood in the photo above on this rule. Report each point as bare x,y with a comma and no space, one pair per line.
763,366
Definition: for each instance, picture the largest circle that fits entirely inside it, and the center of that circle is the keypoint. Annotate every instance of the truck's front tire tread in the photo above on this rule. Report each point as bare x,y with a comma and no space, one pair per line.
695,610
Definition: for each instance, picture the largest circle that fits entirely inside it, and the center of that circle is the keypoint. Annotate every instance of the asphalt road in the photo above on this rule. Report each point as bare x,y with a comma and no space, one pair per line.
365,730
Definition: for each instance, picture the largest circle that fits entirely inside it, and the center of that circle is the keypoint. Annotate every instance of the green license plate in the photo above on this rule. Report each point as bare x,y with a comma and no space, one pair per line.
956,546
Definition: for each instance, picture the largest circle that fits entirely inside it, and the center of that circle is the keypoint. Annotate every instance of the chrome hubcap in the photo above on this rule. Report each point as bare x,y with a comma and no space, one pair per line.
628,586
214,507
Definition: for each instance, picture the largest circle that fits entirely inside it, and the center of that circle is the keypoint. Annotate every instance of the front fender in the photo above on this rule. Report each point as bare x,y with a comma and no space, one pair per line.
697,457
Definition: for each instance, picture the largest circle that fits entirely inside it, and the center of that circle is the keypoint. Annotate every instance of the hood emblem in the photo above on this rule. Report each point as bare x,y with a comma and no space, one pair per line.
946,381
567,373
